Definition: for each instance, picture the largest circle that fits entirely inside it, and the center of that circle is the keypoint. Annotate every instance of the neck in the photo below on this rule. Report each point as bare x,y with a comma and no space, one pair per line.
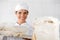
20,21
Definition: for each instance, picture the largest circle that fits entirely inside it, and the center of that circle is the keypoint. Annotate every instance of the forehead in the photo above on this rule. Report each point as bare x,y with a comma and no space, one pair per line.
22,10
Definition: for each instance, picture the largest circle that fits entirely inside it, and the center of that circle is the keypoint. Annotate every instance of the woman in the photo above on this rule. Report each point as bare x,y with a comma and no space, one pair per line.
21,12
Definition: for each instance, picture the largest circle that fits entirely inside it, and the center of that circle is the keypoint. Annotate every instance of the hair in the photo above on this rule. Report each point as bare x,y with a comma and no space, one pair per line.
16,12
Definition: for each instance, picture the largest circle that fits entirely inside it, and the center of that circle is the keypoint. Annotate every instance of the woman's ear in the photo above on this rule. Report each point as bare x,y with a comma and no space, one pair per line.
27,12
15,12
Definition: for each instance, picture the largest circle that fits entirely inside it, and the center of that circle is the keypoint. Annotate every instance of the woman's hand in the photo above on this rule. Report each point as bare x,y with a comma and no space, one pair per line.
18,34
34,37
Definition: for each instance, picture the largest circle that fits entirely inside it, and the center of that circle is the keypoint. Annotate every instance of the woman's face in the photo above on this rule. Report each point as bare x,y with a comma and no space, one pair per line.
22,14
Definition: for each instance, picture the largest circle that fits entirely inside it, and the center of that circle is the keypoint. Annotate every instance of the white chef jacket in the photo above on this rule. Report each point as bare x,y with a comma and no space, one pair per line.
25,28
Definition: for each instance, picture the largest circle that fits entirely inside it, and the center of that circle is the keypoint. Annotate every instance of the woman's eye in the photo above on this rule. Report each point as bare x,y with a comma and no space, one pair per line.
25,12
19,12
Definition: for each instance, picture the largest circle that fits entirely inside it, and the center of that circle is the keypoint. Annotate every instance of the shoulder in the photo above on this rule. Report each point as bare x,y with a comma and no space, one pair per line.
27,24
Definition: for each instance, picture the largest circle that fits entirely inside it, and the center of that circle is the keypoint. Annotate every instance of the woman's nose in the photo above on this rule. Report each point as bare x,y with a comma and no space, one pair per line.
22,14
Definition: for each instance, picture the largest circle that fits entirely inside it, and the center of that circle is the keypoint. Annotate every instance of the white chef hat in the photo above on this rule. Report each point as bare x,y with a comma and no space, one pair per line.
22,6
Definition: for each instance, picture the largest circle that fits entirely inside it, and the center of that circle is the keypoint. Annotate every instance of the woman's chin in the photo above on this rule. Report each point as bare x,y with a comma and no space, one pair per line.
22,19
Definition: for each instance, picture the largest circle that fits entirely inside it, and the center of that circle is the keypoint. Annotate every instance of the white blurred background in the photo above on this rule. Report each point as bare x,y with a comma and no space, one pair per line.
38,8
